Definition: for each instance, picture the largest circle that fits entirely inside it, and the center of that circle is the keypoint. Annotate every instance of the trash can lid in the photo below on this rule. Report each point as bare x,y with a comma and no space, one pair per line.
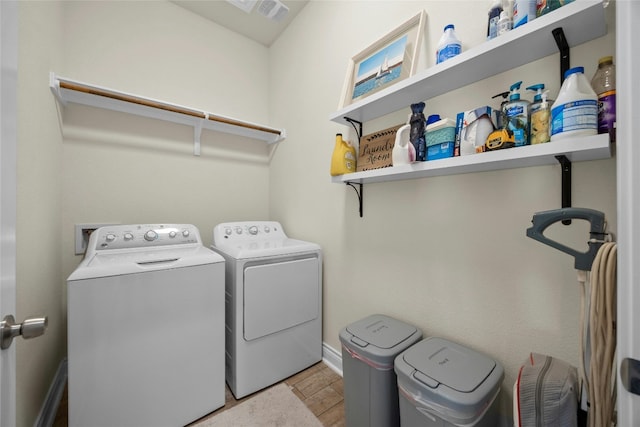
448,363
381,331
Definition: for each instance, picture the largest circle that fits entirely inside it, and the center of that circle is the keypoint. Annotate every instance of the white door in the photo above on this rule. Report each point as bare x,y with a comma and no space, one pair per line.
8,136
628,159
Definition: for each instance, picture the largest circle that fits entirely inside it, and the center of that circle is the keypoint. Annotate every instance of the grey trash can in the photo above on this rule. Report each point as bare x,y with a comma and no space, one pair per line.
441,383
369,348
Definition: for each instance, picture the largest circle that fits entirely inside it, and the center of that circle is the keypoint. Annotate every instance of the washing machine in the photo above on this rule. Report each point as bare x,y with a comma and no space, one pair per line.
145,328
273,303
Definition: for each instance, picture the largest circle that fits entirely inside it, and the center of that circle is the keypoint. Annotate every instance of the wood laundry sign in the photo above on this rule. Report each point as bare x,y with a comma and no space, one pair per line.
375,149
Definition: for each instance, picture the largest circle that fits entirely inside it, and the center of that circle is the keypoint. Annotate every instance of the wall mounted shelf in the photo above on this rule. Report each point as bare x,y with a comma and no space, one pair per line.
67,90
571,25
576,150
581,20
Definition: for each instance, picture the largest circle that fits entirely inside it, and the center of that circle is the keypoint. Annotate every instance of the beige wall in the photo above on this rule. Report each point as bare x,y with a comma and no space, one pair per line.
39,206
448,254
100,166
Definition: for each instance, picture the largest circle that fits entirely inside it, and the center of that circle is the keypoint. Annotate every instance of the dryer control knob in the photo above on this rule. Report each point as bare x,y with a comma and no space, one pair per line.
238,230
266,229
150,236
185,233
110,237
228,231
253,230
128,236
172,234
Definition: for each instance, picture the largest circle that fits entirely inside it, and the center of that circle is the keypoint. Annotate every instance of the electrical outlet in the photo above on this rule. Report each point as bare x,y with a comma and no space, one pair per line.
83,231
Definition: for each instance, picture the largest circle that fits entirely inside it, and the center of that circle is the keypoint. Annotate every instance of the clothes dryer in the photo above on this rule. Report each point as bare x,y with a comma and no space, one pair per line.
273,303
145,328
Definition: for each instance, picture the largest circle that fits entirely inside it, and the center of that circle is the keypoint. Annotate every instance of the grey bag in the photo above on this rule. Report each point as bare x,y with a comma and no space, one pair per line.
546,393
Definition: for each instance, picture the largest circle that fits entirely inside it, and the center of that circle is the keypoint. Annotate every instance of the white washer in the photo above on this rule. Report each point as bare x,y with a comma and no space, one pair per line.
145,328
273,303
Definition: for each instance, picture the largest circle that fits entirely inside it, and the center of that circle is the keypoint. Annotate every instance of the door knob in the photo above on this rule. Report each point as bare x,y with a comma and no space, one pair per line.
30,328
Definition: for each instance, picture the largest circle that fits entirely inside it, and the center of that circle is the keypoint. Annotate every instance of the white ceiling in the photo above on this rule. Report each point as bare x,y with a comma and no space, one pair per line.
253,25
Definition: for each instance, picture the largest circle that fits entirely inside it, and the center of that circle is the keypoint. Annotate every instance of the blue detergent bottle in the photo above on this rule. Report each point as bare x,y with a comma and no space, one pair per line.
516,115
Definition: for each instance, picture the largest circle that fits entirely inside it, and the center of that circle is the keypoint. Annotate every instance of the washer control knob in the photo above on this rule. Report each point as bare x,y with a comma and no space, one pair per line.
238,230
228,231
266,229
185,233
128,236
150,236
110,237
253,230
172,234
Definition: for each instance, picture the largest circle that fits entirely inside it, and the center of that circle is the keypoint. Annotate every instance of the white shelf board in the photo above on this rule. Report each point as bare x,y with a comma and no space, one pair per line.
581,149
113,100
581,21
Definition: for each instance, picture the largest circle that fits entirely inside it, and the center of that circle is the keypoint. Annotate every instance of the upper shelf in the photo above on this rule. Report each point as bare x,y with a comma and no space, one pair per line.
576,150
581,21
67,90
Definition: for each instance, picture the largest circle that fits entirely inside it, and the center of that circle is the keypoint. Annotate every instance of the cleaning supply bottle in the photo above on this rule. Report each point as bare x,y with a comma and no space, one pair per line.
545,6
449,44
516,113
505,23
499,114
416,135
523,11
604,84
575,111
343,160
494,16
539,114
403,152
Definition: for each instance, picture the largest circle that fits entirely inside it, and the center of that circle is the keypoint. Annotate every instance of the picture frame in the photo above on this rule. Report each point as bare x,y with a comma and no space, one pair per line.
389,60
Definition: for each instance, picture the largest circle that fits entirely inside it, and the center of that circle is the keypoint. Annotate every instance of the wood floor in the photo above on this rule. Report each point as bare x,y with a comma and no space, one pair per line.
318,387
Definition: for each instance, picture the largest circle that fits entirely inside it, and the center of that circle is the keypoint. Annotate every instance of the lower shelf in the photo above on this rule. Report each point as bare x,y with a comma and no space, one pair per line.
581,149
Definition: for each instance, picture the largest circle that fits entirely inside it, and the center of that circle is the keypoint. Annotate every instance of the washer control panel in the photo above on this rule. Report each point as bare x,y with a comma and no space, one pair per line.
144,235
247,231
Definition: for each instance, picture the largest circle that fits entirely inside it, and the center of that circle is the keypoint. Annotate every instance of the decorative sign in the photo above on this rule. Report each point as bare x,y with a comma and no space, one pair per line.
375,149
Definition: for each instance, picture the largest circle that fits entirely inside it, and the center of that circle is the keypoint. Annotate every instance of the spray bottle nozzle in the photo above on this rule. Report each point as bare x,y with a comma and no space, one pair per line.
538,88
515,95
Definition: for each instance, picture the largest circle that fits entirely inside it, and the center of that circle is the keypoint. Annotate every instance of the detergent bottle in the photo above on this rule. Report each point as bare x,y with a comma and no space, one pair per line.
575,111
403,152
343,160
540,114
418,127
516,114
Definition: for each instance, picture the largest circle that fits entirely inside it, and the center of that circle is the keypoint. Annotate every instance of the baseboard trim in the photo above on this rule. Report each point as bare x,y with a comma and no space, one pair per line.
332,358
49,409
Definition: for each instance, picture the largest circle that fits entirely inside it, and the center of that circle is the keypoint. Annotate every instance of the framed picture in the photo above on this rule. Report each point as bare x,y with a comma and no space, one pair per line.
389,60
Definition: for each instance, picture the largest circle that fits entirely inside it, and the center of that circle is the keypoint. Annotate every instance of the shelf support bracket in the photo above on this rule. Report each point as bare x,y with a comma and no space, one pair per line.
565,164
197,132
358,128
359,193
563,46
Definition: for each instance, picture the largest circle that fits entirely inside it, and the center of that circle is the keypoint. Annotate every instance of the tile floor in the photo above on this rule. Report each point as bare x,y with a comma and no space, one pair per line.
318,387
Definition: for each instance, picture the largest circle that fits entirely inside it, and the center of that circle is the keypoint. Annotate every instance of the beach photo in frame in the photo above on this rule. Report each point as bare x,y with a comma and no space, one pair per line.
389,60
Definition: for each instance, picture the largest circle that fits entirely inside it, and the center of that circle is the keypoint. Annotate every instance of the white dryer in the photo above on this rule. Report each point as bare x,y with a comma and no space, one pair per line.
145,328
273,304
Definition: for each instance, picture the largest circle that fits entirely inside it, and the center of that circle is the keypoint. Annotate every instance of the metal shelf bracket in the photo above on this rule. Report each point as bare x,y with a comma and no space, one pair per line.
563,47
565,164
359,193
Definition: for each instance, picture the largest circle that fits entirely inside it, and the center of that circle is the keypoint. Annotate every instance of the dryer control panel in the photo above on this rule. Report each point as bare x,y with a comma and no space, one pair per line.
247,231
143,235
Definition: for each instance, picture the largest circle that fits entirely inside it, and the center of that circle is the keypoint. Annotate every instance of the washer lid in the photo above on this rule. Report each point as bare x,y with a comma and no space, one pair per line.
439,361
380,331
